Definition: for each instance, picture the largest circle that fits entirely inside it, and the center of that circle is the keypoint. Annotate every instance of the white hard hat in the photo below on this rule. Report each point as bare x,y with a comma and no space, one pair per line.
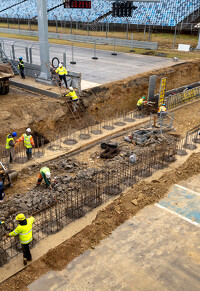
48,175
71,88
60,65
28,130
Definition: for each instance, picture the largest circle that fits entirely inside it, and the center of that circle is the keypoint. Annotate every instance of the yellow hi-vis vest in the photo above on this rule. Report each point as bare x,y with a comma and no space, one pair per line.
72,95
140,102
61,71
27,141
162,109
8,139
44,170
24,231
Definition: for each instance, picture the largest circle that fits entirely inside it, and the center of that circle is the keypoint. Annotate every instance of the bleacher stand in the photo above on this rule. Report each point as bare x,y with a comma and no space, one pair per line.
166,12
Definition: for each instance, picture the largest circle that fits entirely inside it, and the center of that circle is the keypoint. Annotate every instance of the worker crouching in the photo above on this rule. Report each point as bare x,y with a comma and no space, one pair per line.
46,175
162,111
24,230
141,103
28,142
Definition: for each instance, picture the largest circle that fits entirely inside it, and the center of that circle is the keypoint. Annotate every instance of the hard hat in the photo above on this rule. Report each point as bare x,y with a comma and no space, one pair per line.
14,134
71,88
48,175
20,217
60,65
163,104
143,97
20,58
28,130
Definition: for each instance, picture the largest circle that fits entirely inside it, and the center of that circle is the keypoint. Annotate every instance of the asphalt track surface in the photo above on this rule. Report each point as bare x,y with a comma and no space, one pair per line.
106,69
156,250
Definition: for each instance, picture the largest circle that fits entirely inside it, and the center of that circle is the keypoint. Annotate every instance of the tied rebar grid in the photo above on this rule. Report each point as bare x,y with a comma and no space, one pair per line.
85,196
181,98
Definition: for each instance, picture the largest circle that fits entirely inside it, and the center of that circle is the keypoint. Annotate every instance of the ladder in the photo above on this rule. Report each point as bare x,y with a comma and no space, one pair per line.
76,116
4,59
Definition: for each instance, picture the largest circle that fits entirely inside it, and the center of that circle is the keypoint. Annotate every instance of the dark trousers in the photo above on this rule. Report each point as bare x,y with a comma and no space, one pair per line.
62,77
29,153
26,252
22,73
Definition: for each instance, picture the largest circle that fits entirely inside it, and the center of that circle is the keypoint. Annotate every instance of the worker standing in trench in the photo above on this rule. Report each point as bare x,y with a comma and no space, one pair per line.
28,142
24,230
10,143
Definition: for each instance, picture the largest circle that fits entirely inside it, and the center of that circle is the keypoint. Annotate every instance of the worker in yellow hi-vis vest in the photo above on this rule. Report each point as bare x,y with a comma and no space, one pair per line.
24,230
62,73
73,97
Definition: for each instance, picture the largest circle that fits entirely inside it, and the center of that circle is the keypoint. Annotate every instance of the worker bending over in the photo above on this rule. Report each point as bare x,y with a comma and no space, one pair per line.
21,67
24,230
10,143
28,142
4,174
46,174
62,73
73,97
162,111
141,102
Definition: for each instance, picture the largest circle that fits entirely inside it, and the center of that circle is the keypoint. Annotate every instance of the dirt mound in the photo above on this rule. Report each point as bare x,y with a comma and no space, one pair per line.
123,95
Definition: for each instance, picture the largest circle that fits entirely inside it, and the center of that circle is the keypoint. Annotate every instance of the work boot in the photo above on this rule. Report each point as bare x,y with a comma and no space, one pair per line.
25,261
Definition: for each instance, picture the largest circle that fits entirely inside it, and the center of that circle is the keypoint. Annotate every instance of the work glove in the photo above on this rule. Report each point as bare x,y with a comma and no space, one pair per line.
7,235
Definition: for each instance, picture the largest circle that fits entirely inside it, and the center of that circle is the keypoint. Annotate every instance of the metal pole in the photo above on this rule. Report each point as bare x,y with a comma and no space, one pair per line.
106,27
72,62
56,24
174,38
95,57
18,23
64,59
13,51
127,29
132,50
149,38
71,24
30,53
26,50
114,53
7,21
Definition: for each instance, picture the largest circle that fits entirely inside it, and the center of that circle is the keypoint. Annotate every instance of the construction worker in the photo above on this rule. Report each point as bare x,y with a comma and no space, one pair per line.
73,97
28,142
162,111
2,222
21,67
24,230
10,143
4,173
2,193
46,174
141,102
62,73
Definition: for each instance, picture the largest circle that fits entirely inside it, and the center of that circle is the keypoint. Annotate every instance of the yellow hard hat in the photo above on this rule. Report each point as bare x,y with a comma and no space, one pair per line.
20,217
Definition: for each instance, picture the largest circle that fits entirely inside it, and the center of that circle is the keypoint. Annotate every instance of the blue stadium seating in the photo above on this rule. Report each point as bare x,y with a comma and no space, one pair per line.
166,12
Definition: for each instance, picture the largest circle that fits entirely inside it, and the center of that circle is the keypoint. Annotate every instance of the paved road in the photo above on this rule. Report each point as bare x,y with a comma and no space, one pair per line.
156,250
107,68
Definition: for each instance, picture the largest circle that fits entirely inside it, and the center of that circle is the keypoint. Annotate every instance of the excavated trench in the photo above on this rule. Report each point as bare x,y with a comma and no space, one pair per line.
51,119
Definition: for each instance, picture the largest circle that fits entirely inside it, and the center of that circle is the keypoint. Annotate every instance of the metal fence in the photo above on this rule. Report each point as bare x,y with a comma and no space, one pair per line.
85,196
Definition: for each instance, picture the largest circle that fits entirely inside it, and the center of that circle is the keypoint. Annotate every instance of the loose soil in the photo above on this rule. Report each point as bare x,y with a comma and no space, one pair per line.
21,109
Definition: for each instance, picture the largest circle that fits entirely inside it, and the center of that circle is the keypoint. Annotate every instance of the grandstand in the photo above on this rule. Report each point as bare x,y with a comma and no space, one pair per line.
166,13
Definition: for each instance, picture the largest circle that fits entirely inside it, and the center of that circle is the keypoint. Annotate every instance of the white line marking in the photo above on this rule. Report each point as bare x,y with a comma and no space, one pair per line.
187,189
177,214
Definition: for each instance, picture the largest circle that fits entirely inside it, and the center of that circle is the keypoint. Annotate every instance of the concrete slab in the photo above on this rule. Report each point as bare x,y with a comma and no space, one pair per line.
106,69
